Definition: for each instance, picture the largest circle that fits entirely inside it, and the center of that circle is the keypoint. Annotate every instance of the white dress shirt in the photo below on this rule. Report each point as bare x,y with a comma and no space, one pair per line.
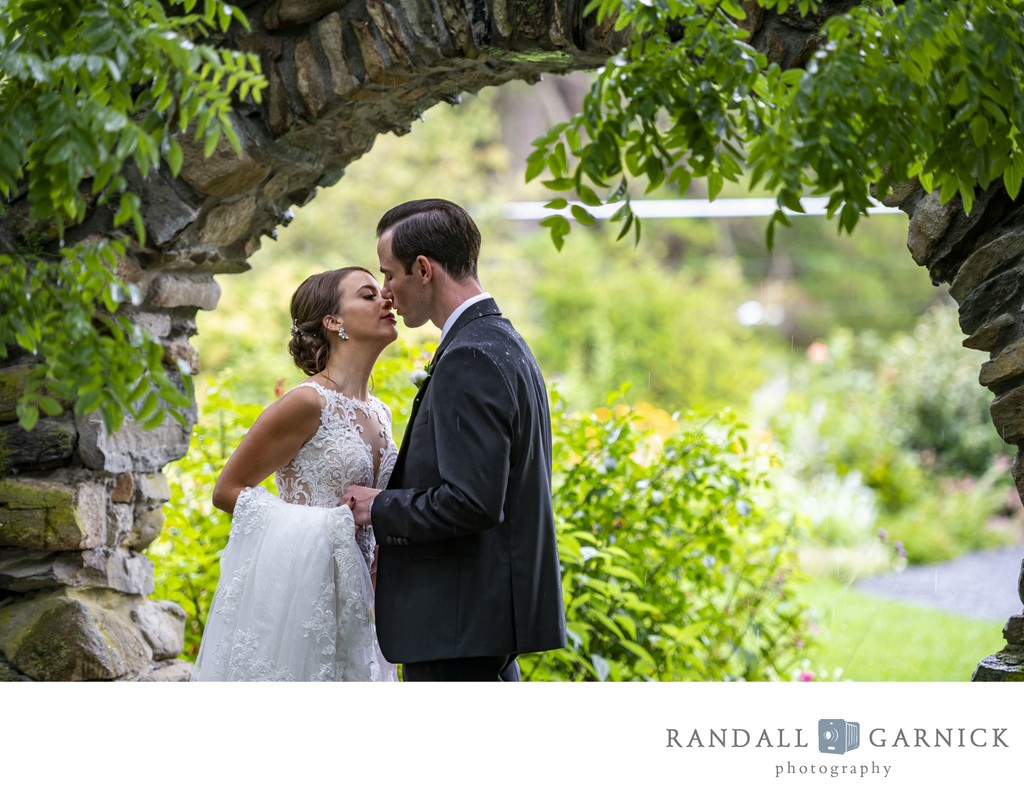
455,314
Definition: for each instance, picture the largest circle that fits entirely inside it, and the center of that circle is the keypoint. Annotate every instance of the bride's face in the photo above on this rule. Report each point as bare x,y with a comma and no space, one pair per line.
363,311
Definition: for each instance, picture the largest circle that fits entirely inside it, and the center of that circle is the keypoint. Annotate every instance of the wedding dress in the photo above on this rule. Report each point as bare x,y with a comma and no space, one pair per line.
294,601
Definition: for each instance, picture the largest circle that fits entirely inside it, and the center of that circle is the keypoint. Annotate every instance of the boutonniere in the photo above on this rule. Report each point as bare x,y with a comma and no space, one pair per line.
420,375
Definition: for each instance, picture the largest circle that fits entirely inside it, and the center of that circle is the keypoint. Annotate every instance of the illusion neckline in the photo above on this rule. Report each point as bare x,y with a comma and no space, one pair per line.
339,393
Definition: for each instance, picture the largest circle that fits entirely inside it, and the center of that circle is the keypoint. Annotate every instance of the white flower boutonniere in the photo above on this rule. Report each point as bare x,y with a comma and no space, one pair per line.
418,377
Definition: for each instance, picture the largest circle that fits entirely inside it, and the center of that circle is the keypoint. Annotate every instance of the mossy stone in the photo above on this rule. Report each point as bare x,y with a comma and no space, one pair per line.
69,635
48,516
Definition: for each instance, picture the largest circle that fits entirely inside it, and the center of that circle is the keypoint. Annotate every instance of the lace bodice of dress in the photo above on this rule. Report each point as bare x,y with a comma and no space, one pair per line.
341,453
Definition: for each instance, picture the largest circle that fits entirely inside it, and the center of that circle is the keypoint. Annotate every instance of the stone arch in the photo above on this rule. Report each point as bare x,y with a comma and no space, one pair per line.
77,505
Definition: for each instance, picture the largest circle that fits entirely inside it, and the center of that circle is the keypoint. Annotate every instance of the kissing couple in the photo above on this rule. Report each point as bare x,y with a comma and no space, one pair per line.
439,556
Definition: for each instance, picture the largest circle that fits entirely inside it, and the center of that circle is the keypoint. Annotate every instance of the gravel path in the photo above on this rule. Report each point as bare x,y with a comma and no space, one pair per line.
981,585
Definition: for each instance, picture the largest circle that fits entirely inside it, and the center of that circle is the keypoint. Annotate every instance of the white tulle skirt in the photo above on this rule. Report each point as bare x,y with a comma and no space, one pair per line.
294,602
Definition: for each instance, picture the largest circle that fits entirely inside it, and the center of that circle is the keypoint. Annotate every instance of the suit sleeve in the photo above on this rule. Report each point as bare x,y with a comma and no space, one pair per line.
473,412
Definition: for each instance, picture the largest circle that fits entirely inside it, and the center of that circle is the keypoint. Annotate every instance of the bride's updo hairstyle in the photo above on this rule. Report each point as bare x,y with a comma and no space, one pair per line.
316,297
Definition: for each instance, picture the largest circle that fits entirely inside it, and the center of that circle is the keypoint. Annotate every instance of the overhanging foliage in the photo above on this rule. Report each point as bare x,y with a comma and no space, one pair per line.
923,91
87,90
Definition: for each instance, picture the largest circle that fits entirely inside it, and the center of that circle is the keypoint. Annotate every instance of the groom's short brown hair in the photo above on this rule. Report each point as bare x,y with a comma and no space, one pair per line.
436,228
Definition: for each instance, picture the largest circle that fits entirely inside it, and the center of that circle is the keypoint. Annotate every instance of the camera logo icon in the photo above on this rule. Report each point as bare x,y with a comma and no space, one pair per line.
836,736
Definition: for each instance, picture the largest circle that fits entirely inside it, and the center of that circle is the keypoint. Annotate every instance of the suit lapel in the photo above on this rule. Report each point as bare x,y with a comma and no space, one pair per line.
403,450
484,308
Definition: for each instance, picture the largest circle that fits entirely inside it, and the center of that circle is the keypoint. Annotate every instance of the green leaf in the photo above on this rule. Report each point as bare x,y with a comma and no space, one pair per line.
979,130
50,406
1012,179
149,406
582,215
640,651
28,415
210,143
175,157
715,185
559,227
733,9
560,185
588,196
535,165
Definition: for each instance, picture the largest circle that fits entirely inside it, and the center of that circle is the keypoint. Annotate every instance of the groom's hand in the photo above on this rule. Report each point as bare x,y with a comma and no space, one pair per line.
359,498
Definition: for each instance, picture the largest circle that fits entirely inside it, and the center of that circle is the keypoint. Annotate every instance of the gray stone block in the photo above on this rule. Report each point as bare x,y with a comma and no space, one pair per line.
31,570
132,448
173,670
997,255
163,626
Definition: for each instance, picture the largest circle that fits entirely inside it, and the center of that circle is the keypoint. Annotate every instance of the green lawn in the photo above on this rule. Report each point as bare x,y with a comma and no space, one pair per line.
874,640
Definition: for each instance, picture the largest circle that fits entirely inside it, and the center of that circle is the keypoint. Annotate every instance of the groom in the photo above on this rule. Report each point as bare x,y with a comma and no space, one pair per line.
468,575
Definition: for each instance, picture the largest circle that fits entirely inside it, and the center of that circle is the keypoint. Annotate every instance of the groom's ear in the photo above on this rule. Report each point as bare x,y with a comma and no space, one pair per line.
423,268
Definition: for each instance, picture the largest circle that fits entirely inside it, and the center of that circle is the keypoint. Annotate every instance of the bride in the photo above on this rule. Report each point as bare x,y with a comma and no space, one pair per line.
295,596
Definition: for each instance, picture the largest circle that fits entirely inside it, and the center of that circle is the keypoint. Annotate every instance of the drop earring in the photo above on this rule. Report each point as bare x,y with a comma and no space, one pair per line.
341,332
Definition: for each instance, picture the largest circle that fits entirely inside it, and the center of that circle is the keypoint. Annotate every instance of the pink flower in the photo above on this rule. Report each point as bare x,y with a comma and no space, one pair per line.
817,352
805,676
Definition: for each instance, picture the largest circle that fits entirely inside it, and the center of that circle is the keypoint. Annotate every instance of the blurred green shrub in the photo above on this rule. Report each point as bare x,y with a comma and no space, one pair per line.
892,434
672,570
934,404
961,515
612,314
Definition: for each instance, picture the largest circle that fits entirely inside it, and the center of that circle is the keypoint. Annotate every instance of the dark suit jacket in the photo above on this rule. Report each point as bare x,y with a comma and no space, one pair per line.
468,562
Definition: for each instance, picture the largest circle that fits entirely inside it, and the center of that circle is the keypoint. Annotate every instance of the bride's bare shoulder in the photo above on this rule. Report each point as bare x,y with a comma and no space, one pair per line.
302,402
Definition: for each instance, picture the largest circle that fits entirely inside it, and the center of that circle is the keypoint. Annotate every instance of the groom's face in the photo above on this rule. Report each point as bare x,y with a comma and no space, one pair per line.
405,290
